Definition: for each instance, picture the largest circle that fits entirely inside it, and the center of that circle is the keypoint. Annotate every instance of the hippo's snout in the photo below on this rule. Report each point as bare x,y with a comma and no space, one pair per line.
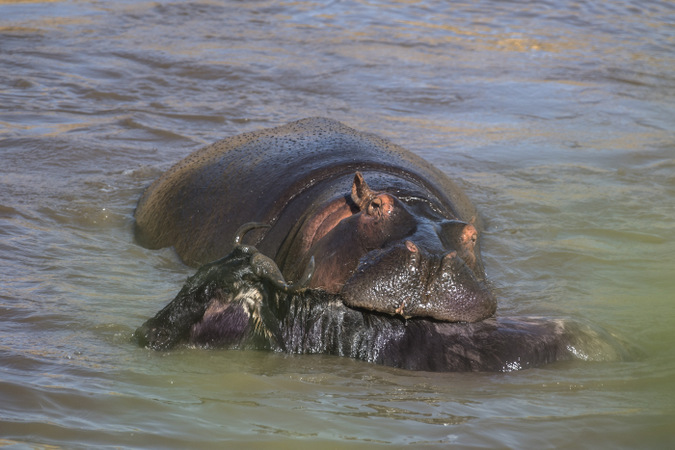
408,281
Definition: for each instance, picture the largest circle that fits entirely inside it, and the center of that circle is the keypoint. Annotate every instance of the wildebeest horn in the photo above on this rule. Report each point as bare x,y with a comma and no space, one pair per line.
306,276
266,268
245,228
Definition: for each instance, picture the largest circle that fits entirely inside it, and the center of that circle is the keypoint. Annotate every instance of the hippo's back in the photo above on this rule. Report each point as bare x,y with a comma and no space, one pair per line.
198,204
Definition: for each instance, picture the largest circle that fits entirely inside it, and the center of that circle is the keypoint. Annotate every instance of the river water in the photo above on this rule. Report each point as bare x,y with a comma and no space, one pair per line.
556,117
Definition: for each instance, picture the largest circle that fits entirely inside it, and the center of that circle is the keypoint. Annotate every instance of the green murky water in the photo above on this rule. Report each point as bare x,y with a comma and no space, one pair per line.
556,117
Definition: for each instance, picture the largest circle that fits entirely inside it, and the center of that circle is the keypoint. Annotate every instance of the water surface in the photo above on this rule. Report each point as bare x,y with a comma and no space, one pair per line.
556,117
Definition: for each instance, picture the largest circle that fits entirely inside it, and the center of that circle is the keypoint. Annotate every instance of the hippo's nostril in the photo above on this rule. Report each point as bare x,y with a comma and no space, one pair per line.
411,247
469,235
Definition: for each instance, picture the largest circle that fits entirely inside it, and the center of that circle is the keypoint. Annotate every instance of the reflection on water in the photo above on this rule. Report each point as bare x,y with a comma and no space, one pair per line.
556,117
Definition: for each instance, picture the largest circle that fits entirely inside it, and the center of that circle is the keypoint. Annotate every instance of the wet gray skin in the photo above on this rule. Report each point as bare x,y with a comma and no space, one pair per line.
406,280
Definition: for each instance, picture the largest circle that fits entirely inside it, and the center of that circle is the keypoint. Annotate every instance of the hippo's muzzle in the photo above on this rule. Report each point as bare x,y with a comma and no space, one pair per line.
408,281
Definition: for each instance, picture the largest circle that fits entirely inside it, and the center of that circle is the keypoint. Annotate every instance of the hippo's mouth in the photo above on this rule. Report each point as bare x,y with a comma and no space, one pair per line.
407,281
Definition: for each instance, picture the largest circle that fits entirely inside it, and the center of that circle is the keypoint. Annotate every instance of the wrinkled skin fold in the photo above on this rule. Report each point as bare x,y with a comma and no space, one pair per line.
229,304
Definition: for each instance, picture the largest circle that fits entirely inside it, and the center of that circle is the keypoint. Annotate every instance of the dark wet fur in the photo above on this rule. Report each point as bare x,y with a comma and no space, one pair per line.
247,312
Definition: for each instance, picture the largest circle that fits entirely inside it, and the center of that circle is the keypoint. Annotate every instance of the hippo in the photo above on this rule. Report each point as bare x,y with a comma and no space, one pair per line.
313,237
382,227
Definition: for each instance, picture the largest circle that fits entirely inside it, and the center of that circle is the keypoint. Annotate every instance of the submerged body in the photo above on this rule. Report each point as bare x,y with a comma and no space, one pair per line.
229,304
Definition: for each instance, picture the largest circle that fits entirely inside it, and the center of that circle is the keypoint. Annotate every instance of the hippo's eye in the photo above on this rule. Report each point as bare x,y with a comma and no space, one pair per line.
380,206
374,206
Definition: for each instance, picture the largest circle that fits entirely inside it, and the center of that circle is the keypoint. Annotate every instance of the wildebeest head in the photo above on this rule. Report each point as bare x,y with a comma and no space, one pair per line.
224,303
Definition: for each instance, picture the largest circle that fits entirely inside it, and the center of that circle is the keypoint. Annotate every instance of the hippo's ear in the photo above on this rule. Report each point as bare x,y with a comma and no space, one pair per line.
361,193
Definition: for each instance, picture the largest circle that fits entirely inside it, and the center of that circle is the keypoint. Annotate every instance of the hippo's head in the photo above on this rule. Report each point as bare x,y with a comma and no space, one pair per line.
387,256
